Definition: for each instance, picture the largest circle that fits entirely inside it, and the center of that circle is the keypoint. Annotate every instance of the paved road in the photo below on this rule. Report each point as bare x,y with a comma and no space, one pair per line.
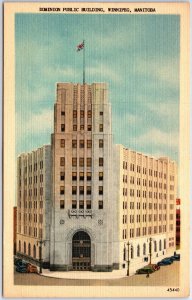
166,276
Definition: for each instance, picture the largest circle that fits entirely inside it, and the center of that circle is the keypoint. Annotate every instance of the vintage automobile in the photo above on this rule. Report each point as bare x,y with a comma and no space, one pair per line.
165,262
154,266
175,257
145,270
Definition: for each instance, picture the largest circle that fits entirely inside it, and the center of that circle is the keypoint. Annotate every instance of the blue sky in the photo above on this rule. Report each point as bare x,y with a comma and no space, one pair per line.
137,55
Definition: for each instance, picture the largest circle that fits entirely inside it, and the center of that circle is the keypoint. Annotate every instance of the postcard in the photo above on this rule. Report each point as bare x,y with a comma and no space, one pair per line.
96,150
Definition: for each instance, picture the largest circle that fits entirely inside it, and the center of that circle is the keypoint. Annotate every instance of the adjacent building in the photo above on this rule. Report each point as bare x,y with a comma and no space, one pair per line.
178,222
86,198
34,203
145,191
14,229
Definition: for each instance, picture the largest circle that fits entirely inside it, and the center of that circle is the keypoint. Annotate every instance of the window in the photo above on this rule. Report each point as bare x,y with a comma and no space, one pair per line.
100,127
24,248
81,144
62,190
138,250
74,114
81,176
144,249
89,113
101,113
62,113
74,127
74,190
62,161
62,127
89,162
100,143
81,162
160,246
100,175
100,161
62,143
62,204
81,190
81,127
88,190
34,251
74,204
81,204
155,246
74,143
19,246
132,253
100,204
100,190
82,113
74,176
88,204
88,127
74,161
88,176
89,143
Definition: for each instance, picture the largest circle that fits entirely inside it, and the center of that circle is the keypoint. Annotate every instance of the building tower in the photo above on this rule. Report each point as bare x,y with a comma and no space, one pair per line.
82,208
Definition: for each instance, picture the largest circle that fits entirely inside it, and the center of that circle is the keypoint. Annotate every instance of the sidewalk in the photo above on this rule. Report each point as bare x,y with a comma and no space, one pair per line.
116,274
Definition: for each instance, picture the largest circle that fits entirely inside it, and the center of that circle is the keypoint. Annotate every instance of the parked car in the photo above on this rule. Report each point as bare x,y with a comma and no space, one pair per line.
145,270
155,267
164,262
31,269
175,257
21,269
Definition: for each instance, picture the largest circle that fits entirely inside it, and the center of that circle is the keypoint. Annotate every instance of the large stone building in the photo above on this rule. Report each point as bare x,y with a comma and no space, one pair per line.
34,203
100,195
145,191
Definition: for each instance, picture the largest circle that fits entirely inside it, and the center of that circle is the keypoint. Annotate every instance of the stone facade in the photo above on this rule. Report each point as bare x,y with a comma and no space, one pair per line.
81,153
33,203
90,200
145,189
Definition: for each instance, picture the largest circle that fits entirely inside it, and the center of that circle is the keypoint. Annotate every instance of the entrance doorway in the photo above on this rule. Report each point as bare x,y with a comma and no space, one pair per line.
81,251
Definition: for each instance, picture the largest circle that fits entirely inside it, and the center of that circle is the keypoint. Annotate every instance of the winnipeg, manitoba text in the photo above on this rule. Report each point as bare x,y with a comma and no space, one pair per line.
97,10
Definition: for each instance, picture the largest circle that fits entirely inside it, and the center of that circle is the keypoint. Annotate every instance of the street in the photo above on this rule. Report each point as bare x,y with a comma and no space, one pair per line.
166,276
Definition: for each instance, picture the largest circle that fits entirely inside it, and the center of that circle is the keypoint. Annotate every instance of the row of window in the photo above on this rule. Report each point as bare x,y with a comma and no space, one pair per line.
89,113
82,176
137,233
144,218
81,161
30,167
28,250
81,143
81,190
82,126
150,194
82,204
151,172
151,248
145,182
132,204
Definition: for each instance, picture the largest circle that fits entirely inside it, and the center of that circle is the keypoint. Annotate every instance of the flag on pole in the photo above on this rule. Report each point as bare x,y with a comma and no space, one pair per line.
80,46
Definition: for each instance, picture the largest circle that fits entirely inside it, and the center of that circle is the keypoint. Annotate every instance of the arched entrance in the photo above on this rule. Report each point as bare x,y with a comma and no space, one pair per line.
81,251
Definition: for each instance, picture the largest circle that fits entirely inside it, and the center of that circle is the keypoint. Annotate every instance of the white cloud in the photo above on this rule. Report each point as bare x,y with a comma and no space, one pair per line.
37,124
164,70
167,110
159,138
104,71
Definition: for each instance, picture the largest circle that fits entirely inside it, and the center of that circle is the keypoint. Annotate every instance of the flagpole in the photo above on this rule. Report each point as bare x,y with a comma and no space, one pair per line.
84,62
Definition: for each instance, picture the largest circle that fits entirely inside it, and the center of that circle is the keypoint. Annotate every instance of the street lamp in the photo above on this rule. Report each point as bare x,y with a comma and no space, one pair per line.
128,256
40,243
